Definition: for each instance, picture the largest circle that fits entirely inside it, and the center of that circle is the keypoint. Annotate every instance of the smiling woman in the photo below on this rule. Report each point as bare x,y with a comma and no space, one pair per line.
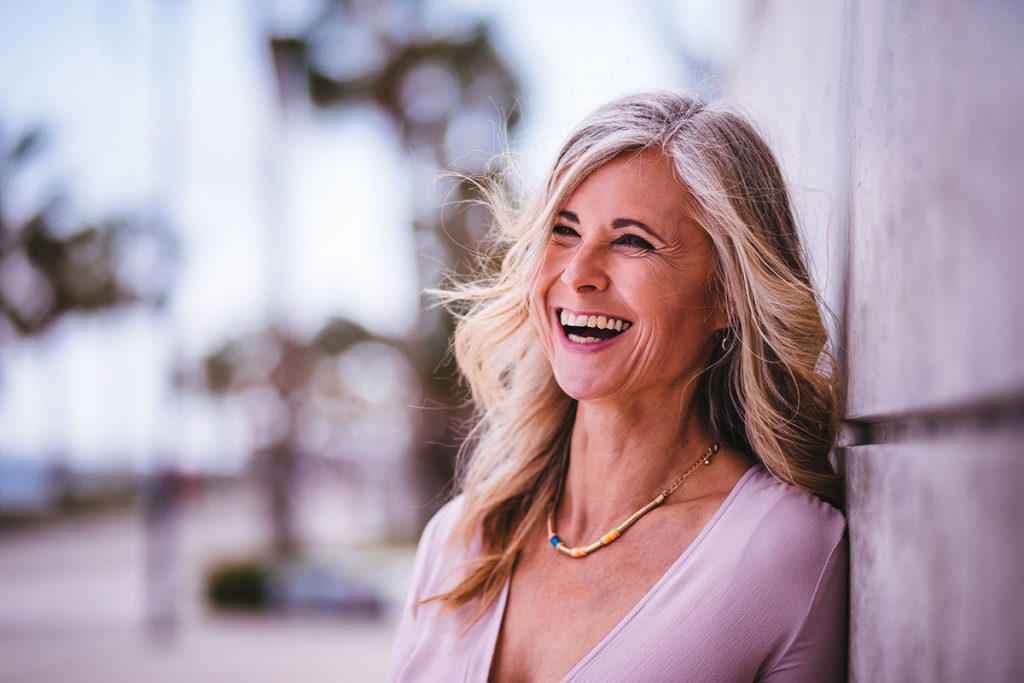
653,382
662,285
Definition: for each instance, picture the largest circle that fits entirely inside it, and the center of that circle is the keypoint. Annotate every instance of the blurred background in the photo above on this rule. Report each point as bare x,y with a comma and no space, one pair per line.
226,409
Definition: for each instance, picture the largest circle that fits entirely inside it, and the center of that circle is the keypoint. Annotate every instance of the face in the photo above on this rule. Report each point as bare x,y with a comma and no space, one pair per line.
623,302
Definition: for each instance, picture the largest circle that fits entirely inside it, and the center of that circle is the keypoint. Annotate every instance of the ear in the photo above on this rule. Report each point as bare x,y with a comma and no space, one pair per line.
719,317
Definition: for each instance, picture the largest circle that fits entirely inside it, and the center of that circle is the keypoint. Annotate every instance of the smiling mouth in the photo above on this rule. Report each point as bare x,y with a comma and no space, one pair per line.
582,328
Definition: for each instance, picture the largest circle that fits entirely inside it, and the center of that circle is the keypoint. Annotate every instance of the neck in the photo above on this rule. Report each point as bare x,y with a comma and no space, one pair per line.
622,456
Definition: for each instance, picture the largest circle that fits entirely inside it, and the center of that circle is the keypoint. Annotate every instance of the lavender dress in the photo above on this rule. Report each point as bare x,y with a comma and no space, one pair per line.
760,594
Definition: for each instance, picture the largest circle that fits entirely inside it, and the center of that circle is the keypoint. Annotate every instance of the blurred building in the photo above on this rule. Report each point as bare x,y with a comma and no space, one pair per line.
899,125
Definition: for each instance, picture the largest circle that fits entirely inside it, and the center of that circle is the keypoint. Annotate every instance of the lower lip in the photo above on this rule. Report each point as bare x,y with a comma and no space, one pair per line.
578,347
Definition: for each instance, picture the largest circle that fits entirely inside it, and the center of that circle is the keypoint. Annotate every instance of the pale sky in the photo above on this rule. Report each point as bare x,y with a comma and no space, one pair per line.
96,389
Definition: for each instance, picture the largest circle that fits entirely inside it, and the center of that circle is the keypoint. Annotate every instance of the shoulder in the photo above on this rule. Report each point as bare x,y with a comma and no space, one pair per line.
787,512
444,521
788,529
438,552
426,634
437,538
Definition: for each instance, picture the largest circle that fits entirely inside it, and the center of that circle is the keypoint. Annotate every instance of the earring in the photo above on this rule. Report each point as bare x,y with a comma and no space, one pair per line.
725,340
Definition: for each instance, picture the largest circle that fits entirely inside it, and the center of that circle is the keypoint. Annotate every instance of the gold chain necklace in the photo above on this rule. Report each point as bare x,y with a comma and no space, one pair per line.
583,551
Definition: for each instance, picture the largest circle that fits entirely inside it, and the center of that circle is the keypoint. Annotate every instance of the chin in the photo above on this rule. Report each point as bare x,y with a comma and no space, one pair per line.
583,388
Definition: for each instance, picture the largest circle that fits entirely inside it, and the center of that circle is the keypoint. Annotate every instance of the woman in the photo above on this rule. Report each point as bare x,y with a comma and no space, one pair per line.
645,496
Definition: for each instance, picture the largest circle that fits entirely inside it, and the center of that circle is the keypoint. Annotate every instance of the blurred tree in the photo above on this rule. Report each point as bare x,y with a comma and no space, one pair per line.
441,82
49,268
283,379
52,266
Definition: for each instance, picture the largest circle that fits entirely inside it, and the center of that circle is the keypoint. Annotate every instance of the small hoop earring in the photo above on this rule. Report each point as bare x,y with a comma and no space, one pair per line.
725,340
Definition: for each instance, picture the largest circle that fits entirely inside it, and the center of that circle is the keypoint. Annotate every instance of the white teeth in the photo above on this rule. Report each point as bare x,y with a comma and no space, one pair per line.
601,322
583,340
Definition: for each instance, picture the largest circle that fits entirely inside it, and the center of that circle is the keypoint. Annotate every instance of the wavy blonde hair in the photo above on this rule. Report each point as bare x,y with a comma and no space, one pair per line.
774,393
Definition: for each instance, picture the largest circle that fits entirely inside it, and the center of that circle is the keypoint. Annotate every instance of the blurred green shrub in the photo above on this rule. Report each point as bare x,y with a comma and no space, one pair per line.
294,585
239,584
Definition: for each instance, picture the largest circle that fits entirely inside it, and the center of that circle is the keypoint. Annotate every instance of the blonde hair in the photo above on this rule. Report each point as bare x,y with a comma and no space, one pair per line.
774,393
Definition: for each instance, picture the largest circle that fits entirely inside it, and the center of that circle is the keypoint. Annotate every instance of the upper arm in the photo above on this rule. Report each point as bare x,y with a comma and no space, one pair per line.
818,649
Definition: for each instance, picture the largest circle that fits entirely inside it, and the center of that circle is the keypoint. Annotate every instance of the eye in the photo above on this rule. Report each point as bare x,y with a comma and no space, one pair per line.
564,230
635,242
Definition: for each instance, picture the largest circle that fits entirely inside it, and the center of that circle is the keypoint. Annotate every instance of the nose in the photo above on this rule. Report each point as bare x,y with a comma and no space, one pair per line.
585,271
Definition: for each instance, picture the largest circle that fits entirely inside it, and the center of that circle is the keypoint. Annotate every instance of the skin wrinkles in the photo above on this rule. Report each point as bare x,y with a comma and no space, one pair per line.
618,223
664,290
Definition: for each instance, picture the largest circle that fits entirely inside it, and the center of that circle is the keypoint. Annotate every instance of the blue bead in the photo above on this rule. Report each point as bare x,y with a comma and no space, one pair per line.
555,540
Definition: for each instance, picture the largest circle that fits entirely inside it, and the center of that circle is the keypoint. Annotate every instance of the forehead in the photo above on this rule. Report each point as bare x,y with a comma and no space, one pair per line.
640,185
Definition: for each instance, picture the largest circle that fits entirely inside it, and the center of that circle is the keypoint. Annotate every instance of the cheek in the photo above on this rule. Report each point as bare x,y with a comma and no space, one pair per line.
538,312
687,300
536,305
678,323
540,288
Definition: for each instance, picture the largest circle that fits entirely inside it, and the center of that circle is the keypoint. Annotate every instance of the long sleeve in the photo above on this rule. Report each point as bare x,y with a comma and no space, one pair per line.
819,649
431,643
409,624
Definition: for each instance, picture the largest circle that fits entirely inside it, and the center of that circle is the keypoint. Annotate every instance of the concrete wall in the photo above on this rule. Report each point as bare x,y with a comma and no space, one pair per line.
901,127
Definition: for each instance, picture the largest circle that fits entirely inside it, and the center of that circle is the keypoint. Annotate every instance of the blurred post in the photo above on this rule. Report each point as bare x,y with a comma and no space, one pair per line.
279,466
161,493
162,509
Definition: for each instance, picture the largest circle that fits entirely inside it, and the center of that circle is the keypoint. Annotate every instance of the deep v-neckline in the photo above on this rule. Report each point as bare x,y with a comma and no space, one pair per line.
502,601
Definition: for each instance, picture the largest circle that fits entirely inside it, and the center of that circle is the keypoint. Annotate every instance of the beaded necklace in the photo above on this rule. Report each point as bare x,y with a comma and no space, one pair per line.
583,551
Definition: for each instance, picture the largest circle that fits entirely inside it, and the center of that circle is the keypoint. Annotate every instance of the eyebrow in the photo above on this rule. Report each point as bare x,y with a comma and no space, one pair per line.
617,224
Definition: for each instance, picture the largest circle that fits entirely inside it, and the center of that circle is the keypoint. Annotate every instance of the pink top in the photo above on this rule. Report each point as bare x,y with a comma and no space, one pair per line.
760,594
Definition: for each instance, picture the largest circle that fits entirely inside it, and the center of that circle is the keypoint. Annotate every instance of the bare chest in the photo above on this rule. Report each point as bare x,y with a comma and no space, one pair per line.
559,608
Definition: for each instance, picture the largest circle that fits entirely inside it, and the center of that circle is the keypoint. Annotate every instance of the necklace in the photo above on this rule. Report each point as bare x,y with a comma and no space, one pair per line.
583,551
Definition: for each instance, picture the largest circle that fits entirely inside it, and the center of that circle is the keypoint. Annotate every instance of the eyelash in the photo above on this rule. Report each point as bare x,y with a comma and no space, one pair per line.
637,241
627,240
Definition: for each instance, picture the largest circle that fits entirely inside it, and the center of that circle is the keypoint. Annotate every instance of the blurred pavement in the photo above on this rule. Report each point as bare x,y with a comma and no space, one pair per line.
72,607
